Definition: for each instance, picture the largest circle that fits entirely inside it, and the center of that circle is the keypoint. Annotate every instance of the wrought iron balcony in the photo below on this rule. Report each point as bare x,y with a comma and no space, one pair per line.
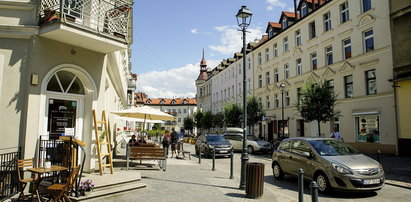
108,19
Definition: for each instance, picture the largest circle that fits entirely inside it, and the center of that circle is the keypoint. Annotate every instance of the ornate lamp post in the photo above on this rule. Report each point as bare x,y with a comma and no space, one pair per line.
282,86
243,19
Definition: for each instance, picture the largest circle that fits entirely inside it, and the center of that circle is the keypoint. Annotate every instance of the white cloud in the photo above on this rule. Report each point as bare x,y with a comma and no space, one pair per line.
275,3
177,82
194,31
231,39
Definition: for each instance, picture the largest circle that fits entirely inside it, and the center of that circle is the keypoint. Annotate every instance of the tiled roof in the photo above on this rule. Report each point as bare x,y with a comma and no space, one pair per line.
178,101
202,76
263,39
290,14
275,25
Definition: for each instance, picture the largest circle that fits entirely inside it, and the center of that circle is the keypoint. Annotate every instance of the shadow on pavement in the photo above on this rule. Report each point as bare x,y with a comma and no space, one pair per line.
235,195
185,182
291,183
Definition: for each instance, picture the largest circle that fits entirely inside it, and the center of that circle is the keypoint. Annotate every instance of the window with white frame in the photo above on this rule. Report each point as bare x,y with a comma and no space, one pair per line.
276,100
371,82
284,23
285,40
260,81
249,64
249,85
268,104
270,32
304,10
287,98
348,86
184,111
179,120
179,111
297,38
232,89
260,60
327,21
299,95
368,41
201,92
346,48
276,79
329,55
275,49
366,5
286,71
330,84
229,91
311,27
239,88
344,12
267,54
313,57
367,128
299,67
267,78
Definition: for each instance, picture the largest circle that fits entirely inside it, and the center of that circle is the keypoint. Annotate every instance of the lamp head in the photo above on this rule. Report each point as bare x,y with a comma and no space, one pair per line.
244,17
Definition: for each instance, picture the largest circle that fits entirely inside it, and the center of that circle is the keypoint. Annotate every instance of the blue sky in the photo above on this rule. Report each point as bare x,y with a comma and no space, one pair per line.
169,35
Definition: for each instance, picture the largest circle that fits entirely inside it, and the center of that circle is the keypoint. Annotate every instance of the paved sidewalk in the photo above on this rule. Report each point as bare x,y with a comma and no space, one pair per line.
397,170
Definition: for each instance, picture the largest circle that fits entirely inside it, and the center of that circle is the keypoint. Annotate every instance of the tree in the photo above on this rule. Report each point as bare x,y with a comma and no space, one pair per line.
232,115
254,111
156,126
317,102
207,120
198,116
189,123
218,120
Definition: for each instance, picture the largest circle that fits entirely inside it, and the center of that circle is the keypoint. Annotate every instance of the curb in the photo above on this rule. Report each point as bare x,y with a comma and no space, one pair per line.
404,185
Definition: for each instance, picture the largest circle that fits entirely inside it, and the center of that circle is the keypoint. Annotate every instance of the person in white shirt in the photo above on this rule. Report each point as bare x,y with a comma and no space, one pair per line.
336,134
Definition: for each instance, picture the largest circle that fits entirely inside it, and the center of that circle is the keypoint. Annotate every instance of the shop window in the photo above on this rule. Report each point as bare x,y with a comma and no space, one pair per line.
367,128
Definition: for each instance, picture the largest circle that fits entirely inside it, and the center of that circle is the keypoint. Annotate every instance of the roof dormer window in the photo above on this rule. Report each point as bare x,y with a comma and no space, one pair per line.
148,102
304,10
162,102
270,32
284,23
173,102
185,102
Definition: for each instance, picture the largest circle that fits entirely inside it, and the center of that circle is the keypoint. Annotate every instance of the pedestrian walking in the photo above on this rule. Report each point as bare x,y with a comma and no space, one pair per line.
166,141
336,134
174,141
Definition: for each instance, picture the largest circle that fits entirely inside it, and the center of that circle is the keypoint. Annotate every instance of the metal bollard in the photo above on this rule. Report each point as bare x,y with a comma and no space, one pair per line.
199,157
314,191
300,185
213,169
232,165
378,156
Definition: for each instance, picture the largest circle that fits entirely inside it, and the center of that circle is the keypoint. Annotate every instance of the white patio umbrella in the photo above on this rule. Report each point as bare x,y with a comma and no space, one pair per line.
145,113
139,120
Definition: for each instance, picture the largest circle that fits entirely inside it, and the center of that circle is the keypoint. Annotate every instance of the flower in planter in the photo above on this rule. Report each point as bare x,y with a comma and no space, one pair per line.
86,186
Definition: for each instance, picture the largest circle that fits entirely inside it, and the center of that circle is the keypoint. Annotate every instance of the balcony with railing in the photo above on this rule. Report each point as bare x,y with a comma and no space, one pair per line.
100,25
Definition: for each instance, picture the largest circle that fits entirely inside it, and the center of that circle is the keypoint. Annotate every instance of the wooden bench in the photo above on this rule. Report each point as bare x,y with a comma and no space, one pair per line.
147,153
180,149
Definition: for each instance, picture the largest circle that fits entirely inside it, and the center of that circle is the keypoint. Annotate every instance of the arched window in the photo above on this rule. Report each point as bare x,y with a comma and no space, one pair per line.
65,82
148,101
173,102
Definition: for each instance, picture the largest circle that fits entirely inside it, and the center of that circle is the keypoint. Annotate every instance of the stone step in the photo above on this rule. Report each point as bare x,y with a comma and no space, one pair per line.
110,189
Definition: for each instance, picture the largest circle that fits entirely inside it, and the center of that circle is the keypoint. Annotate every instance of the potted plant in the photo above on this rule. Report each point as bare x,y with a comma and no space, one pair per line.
103,135
85,187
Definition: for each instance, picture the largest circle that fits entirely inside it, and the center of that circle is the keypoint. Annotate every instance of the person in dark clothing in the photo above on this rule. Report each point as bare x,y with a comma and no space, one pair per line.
166,141
133,141
142,140
174,141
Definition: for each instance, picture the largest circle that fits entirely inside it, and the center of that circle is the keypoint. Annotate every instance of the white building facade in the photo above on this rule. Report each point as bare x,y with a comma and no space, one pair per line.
57,64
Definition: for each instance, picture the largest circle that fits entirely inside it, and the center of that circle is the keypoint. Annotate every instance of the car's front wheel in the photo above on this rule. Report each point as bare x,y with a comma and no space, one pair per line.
250,149
322,183
277,172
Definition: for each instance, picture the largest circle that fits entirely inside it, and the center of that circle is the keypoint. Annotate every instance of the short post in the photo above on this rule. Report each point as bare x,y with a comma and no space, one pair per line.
213,169
300,185
314,191
199,157
378,156
232,165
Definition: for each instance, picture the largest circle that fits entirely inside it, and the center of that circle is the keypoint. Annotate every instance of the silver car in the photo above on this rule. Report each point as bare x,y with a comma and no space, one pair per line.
331,163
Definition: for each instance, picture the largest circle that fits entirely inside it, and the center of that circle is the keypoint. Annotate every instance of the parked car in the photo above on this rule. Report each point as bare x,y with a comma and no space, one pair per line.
254,144
331,163
205,144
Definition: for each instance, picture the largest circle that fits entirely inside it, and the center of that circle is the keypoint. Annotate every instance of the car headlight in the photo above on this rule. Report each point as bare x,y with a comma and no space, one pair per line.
381,168
211,146
341,169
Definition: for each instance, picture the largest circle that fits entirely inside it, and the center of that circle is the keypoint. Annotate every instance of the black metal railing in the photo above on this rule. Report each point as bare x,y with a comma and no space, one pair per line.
107,17
9,180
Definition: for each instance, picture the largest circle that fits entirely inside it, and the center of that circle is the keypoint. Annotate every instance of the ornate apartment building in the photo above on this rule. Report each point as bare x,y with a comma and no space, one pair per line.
59,60
344,43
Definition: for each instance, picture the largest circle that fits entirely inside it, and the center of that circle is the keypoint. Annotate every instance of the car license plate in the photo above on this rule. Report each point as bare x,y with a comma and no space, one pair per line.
371,181
223,151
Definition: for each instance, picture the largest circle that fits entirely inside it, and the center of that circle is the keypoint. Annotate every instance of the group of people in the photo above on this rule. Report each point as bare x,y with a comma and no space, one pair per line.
134,142
170,139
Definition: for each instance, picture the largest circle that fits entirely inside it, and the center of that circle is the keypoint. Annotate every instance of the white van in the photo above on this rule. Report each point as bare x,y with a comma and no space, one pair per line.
235,137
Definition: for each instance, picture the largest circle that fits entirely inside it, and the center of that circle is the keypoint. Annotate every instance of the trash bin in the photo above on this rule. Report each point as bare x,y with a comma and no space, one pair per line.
254,186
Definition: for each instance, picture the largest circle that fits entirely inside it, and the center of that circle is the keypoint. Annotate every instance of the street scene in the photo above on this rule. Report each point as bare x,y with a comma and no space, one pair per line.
208,100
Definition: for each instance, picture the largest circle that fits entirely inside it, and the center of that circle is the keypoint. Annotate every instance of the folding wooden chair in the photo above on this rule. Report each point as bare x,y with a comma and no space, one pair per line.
22,165
62,191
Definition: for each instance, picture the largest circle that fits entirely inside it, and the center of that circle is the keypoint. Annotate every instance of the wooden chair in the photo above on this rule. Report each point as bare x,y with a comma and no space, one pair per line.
22,165
60,191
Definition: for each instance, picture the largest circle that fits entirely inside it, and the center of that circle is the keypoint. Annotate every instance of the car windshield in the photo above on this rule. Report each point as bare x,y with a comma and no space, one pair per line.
253,138
216,138
332,148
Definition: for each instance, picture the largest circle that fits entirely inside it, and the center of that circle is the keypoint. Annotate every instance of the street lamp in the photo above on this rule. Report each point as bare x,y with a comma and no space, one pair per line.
243,19
282,86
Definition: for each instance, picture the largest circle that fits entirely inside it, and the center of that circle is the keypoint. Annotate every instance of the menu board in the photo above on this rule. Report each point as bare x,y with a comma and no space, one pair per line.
62,114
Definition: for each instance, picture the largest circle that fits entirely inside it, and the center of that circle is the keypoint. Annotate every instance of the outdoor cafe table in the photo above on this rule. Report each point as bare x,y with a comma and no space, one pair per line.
40,171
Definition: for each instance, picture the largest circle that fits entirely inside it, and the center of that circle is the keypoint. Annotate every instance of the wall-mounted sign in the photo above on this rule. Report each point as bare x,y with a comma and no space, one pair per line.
62,115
